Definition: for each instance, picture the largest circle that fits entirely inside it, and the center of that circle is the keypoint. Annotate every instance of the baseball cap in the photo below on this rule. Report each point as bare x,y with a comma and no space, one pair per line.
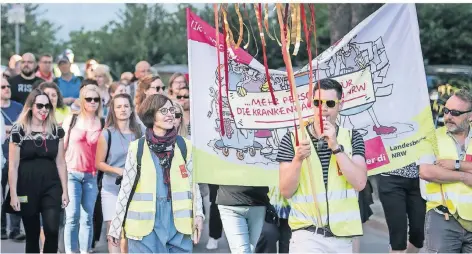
63,60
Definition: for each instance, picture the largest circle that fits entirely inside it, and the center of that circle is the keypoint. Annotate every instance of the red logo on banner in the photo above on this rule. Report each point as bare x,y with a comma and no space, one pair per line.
375,153
468,157
183,171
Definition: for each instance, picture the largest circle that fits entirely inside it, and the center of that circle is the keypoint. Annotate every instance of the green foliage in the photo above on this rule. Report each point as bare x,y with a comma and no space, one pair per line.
446,37
36,36
149,32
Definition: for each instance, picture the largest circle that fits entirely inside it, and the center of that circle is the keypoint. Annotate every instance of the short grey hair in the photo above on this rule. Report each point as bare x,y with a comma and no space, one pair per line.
464,95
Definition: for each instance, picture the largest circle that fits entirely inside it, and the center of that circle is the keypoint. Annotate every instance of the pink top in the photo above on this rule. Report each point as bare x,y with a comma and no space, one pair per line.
81,150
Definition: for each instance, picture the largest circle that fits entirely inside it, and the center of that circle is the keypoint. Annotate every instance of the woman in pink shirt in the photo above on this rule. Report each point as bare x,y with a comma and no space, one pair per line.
82,133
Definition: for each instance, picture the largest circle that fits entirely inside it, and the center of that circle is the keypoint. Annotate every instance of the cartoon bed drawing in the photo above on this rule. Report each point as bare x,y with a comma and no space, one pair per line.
241,140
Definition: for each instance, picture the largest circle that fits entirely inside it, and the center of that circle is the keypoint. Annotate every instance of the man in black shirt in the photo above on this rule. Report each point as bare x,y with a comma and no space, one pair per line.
22,84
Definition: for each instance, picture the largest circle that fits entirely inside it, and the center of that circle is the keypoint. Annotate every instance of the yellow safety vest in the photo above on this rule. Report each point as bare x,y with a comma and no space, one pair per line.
142,209
338,203
457,196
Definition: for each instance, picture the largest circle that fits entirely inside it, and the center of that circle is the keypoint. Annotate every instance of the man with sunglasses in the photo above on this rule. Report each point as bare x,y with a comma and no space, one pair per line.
339,171
448,172
45,68
22,84
10,112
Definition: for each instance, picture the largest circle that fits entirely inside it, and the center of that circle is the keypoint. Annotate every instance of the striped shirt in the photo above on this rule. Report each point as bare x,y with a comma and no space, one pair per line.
287,153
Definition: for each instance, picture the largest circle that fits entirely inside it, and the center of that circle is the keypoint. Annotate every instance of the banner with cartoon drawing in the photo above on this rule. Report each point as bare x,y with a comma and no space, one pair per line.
379,64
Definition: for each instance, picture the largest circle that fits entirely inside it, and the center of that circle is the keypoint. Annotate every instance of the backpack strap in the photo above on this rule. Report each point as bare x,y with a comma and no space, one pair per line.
108,144
72,123
182,146
102,123
139,155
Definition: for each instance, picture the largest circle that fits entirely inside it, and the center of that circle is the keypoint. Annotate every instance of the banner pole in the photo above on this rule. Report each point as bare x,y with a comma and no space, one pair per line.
291,80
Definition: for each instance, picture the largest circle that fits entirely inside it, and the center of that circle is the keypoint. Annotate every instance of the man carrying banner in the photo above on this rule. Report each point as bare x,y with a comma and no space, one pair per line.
448,170
339,171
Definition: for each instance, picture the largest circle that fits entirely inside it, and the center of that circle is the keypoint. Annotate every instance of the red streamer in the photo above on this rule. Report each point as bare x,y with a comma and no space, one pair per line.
220,98
226,64
261,31
308,48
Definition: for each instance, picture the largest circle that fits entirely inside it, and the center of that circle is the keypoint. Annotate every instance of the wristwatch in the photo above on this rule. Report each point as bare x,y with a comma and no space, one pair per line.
339,149
457,166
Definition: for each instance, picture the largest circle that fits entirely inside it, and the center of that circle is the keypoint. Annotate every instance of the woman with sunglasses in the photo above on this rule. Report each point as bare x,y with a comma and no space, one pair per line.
148,85
61,110
158,215
82,133
37,172
121,130
179,123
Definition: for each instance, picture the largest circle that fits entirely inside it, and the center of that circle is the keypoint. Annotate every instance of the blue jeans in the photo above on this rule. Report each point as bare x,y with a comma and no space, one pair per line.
83,191
243,226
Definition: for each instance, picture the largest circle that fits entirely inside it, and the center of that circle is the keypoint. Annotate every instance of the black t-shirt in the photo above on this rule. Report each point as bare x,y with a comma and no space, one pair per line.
21,87
242,196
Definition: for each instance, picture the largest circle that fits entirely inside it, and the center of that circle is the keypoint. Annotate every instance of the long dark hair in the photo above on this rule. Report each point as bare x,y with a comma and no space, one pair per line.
60,98
112,121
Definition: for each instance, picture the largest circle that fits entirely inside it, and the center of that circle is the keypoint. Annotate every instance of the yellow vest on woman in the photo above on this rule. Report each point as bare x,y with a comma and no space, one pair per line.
457,196
338,203
142,209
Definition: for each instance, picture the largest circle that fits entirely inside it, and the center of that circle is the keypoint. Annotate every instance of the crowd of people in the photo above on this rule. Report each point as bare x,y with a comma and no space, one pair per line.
83,151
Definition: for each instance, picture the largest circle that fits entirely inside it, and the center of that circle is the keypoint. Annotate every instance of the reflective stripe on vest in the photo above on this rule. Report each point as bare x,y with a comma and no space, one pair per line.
338,203
457,196
142,209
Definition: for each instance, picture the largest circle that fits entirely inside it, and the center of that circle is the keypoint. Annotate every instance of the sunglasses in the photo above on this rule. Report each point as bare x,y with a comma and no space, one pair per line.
7,86
41,106
454,112
329,103
164,111
95,99
158,88
178,115
179,97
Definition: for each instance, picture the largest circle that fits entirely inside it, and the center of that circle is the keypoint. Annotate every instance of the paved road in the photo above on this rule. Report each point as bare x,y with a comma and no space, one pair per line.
375,239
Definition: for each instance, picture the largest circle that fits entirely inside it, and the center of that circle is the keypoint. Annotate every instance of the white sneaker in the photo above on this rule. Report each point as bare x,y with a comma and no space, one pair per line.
212,244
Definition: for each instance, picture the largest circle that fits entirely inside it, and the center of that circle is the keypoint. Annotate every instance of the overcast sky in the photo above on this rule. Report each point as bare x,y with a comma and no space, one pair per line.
90,16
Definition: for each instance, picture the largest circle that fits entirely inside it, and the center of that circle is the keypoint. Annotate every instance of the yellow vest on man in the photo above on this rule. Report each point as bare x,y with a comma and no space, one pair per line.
338,203
457,196
142,209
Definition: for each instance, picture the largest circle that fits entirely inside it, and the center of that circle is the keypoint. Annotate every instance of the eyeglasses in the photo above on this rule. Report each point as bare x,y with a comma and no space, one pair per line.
41,106
178,115
46,62
329,103
182,97
164,111
454,112
158,88
95,99
7,86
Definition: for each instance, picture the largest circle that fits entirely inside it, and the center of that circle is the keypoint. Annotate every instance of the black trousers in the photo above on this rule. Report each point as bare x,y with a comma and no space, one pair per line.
15,219
51,220
216,226
404,208
97,212
271,233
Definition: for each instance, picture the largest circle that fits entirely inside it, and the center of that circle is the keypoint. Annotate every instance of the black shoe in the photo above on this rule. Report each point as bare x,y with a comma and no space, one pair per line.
17,236
4,236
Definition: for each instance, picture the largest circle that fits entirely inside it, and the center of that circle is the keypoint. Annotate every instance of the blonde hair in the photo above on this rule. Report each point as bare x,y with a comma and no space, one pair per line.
171,80
104,70
24,119
183,130
83,93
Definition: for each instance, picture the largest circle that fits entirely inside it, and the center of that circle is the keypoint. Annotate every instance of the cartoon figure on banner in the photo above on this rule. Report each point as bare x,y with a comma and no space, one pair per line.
356,56
247,79
240,140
